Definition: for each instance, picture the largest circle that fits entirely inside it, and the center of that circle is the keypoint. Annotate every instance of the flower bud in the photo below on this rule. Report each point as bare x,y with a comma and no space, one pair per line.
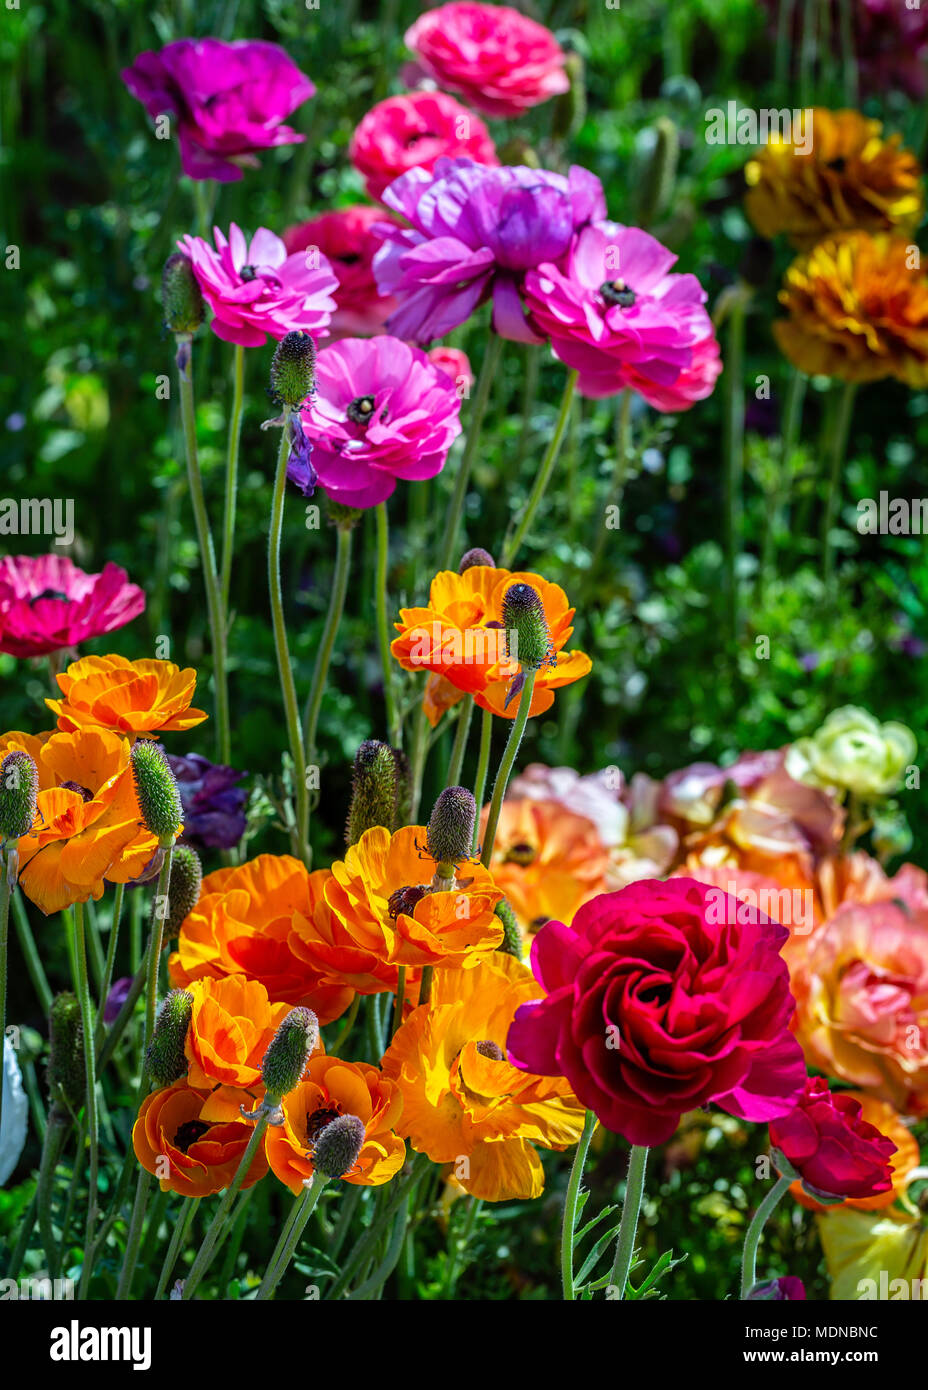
288,1052
181,295
373,795
511,944
337,1146
293,369
476,557
65,1071
19,783
660,171
524,616
156,789
164,1057
450,834
183,888
570,107
340,516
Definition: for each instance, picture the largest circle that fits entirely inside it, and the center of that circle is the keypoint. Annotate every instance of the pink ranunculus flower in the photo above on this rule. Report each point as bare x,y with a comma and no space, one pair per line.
47,603
345,238
501,61
229,99
830,1147
254,288
661,998
614,311
413,132
381,412
455,362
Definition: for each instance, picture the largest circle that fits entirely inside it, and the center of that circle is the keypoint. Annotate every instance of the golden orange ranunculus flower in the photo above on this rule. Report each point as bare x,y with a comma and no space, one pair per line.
547,860
136,698
231,1025
858,311
254,920
888,1122
88,830
851,178
861,990
331,1088
381,893
462,1102
459,636
198,1135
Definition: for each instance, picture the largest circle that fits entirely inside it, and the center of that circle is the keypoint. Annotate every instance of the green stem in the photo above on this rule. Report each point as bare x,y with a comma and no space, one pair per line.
569,1228
324,653
483,766
30,952
477,411
619,472
733,453
375,1282
235,435
181,1227
543,476
59,1123
87,1023
459,1244
289,1239
205,1253
752,1238
9,860
155,944
383,632
631,1207
506,764
368,1242
400,998
840,431
460,741
110,963
134,1235
207,560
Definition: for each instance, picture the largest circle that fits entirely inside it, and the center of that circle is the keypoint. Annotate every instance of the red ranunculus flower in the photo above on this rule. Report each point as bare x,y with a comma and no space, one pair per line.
831,1147
413,132
662,997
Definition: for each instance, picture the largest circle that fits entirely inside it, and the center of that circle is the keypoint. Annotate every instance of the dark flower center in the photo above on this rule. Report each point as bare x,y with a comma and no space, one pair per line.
189,1132
76,787
616,292
248,272
361,410
486,1048
521,854
317,1120
839,164
349,258
48,593
404,899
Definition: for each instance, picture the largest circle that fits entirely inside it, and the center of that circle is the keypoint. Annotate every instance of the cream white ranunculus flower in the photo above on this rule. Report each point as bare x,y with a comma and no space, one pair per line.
15,1113
853,751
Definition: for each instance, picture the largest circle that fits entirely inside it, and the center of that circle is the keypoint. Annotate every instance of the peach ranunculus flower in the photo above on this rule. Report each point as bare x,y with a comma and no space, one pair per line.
851,177
462,1101
331,1088
255,920
135,698
888,1122
861,989
231,1025
547,860
459,636
201,1134
381,893
88,830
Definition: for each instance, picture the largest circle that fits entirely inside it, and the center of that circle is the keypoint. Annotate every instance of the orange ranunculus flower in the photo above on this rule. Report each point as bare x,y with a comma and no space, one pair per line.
89,828
462,1101
861,990
253,920
331,1088
858,311
547,860
199,1135
888,1122
851,178
130,697
460,636
419,927
231,1026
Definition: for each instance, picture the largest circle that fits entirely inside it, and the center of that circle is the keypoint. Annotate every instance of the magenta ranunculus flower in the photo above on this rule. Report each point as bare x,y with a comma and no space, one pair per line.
453,361
381,412
787,1288
47,603
414,132
500,60
659,1001
474,233
229,99
254,288
830,1147
614,311
345,238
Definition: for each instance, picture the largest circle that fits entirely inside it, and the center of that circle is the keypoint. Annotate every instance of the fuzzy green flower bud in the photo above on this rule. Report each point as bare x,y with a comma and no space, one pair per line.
340,516
511,944
288,1052
524,617
293,369
164,1057
337,1146
156,789
450,834
19,783
181,295
65,1071
373,795
659,149
183,889
477,556
403,789
570,108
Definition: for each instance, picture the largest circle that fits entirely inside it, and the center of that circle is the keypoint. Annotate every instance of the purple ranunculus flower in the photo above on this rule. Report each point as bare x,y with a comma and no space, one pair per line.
787,1288
474,233
300,468
119,993
214,816
229,99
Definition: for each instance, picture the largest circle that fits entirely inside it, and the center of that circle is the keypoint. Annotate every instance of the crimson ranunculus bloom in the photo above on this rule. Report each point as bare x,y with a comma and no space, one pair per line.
413,132
831,1147
47,603
661,998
